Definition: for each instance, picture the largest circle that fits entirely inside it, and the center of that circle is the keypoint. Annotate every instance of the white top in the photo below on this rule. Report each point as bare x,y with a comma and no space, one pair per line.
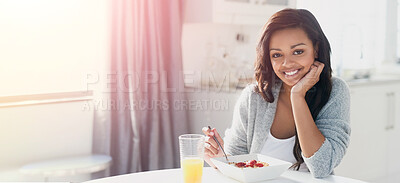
281,149
212,175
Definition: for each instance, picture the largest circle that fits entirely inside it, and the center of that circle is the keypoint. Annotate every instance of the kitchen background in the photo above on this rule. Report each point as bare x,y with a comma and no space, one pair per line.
364,39
218,51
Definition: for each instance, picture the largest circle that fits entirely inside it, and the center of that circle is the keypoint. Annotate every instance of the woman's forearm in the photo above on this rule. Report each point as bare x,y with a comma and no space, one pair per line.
310,137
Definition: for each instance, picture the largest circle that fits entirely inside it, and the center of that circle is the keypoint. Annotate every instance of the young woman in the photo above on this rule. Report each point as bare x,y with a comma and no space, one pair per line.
296,111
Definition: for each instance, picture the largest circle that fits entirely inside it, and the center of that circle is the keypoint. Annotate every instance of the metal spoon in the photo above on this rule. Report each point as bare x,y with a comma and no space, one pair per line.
219,145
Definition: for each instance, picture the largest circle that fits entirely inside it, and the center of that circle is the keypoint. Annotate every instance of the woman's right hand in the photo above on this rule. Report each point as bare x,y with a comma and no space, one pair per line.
211,148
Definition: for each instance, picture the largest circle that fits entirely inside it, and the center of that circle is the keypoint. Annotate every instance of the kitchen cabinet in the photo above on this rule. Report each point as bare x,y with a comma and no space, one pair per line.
394,136
374,148
254,12
218,115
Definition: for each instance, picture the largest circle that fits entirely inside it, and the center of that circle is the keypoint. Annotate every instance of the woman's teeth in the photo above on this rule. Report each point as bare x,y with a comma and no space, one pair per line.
291,73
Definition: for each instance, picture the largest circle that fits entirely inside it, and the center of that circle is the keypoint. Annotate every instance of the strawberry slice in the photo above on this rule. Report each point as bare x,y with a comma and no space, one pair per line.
259,164
240,164
252,162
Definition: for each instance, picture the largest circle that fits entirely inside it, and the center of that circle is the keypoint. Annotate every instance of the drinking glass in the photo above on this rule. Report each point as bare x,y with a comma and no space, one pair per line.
192,157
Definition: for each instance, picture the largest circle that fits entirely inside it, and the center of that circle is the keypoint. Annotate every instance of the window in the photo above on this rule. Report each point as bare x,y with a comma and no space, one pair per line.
50,46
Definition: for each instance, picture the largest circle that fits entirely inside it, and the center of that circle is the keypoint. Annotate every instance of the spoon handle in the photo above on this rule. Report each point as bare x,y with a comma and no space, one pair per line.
219,145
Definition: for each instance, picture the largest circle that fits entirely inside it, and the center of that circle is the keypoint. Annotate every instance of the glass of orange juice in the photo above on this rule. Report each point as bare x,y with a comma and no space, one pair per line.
192,157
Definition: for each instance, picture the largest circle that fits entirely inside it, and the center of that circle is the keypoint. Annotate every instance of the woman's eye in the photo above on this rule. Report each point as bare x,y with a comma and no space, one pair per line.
298,52
276,55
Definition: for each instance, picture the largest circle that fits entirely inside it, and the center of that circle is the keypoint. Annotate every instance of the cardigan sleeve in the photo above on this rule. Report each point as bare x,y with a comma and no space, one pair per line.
235,140
334,123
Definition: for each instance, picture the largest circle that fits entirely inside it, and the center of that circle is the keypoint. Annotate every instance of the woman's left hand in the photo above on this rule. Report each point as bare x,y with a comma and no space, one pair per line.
308,81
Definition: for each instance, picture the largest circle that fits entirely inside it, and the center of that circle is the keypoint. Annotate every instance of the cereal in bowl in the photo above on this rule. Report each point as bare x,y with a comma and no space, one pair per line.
250,164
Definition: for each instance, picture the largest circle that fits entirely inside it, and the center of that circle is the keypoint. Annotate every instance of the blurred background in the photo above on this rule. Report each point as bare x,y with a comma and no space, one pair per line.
95,88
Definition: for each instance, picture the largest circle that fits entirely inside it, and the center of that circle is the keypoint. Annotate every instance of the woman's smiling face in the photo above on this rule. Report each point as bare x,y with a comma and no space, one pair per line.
292,54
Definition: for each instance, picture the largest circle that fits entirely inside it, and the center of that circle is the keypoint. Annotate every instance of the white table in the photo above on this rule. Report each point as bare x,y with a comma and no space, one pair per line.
69,166
211,175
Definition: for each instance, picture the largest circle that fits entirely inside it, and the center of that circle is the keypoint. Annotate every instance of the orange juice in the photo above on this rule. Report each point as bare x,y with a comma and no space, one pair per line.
192,170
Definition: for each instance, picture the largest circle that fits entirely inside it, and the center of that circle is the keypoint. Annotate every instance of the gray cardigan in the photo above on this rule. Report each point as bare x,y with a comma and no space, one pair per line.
253,117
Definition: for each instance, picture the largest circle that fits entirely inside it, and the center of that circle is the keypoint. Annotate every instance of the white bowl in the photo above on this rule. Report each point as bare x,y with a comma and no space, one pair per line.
275,169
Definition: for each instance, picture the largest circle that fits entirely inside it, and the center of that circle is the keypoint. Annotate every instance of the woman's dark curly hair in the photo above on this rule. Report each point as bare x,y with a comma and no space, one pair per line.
265,76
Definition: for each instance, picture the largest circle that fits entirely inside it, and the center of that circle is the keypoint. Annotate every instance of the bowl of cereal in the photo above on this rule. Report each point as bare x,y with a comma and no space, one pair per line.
251,167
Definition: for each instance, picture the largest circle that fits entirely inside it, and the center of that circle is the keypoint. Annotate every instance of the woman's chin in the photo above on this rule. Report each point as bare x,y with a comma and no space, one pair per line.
290,82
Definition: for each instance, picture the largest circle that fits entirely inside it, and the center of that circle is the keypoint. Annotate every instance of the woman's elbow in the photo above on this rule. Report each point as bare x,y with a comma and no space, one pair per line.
321,173
321,170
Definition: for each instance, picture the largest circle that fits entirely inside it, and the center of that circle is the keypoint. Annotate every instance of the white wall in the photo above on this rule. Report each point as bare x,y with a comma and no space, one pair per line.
211,54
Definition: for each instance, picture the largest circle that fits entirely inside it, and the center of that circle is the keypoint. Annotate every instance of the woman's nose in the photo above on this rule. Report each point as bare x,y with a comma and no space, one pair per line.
287,61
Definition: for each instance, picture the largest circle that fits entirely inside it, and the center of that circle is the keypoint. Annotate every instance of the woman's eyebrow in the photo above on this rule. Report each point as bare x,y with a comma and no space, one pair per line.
277,49
291,47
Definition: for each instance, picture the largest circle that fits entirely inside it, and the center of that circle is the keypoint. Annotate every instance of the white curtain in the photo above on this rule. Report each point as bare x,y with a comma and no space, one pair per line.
141,125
